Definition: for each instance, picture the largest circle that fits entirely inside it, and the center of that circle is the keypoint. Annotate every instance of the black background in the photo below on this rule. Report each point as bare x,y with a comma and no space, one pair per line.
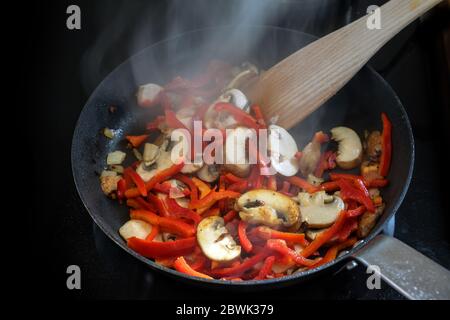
63,69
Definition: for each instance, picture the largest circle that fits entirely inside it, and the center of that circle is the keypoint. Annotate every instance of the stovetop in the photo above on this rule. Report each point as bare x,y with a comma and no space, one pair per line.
69,64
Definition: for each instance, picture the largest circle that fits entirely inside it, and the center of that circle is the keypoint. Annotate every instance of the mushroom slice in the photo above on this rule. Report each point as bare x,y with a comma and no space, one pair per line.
268,207
215,241
320,210
208,173
236,97
135,228
145,173
116,157
311,234
282,148
236,152
248,72
310,158
151,153
147,94
350,149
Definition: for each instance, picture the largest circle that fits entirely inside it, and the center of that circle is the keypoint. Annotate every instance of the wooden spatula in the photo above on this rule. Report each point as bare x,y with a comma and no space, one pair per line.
301,83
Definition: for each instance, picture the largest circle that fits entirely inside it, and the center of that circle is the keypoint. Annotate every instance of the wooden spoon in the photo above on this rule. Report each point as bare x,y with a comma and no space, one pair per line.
301,83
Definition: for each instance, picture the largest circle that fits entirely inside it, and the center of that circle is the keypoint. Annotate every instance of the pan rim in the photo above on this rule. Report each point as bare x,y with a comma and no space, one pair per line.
247,283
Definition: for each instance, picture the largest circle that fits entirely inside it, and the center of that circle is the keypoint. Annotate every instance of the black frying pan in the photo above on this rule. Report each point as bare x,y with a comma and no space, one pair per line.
358,105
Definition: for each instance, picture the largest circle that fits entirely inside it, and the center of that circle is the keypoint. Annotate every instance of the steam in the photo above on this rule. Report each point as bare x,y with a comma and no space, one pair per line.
114,27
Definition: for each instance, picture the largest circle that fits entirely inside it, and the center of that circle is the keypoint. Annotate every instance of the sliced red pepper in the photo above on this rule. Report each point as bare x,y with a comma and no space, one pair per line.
159,204
356,212
386,145
280,246
136,141
140,184
190,183
348,191
239,115
375,183
121,188
239,186
329,186
266,268
134,204
231,178
173,225
172,121
212,198
268,233
153,249
230,216
259,115
236,271
321,137
153,233
181,265
211,212
180,212
144,204
323,237
303,184
349,226
331,253
159,177
202,187
244,241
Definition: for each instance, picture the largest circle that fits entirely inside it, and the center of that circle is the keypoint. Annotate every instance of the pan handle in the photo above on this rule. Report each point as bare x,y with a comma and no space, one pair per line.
405,269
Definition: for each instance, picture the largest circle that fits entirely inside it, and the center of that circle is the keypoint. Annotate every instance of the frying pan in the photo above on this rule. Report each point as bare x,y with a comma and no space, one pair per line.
358,105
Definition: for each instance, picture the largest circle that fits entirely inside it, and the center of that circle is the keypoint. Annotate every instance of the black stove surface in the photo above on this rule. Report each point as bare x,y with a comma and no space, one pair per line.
69,64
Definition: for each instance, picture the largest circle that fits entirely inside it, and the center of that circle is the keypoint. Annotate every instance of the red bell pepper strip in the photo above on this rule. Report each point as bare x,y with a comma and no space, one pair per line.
136,141
173,225
236,271
121,188
356,212
386,145
153,249
350,192
190,183
212,198
230,215
172,121
153,233
253,177
181,265
259,115
159,177
266,268
159,204
331,253
268,233
242,117
322,238
144,204
231,178
303,184
238,186
244,241
321,137
166,187
211,212
202,187
133,204
375,183
176,210
349,226
140,184
280,246
329,186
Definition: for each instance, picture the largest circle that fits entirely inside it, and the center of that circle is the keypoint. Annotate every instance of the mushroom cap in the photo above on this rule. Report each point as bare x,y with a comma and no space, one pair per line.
350,149
215,241
271,208
320,210
135,228
283,148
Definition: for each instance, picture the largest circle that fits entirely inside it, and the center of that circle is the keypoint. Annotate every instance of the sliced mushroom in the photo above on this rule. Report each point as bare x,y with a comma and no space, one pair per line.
208,173
215,241
316,181
236,97
151,153
135,228
310,158
108,181
268,207
349,153
116,157
320,210
145,173
236,152
282,148
147,94
311,234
